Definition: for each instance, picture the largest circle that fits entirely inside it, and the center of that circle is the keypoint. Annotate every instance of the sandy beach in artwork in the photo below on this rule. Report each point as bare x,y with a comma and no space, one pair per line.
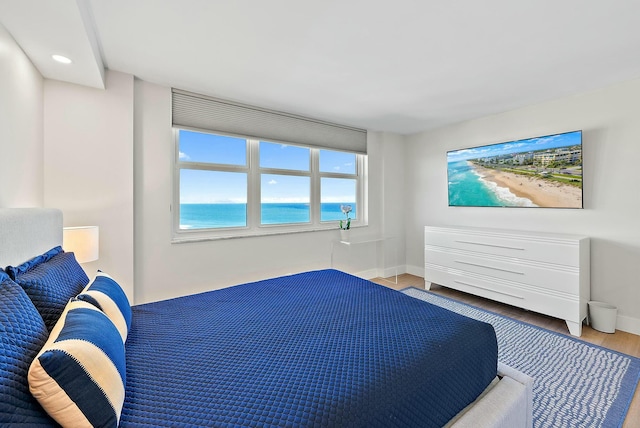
543,193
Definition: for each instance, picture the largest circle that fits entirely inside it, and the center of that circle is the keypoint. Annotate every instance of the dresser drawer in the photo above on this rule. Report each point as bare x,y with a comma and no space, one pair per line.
556,304
534,273
547,248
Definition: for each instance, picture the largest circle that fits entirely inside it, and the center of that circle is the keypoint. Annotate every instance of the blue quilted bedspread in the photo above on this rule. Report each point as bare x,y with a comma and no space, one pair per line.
316,349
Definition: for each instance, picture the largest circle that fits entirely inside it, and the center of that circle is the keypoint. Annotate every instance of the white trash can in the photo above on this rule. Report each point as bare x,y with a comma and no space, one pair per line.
602,316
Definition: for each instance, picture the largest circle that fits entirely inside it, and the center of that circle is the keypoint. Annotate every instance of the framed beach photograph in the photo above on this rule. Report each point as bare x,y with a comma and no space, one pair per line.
535,172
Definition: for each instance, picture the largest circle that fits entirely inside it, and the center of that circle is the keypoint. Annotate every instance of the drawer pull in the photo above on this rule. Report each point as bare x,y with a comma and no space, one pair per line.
489,289
491,245
489,267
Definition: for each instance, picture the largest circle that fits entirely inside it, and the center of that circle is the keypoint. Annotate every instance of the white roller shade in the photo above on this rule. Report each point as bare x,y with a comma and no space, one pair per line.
198,111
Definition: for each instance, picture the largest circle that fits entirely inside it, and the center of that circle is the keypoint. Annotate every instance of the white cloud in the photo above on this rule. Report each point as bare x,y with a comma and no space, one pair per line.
273,182
183,156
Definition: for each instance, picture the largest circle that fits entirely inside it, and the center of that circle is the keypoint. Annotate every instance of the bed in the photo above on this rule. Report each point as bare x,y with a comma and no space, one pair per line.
320,348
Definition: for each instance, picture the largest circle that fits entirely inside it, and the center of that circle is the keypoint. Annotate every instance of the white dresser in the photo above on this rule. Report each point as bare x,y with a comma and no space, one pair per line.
542,272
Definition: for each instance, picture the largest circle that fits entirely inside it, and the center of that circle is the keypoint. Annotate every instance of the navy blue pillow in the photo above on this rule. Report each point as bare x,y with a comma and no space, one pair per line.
22,334
50,280
18,270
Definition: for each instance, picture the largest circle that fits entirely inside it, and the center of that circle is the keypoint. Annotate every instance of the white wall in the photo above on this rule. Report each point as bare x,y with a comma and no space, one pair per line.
88,169
166,270
611,134
392,185
21,132
70,147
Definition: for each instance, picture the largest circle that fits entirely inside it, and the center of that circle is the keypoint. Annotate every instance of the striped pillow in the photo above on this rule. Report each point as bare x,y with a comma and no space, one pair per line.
79,375
107,295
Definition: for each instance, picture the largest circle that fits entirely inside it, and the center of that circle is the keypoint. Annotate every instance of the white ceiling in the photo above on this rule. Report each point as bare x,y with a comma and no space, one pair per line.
401,66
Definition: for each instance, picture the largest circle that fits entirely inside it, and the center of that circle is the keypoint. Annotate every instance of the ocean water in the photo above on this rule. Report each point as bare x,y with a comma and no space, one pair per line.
202,216
467,188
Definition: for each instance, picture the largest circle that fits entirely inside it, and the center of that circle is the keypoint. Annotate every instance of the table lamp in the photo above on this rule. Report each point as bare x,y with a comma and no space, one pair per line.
82,241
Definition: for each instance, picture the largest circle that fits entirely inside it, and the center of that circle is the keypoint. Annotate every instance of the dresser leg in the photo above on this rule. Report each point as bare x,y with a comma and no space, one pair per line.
575,328
427,285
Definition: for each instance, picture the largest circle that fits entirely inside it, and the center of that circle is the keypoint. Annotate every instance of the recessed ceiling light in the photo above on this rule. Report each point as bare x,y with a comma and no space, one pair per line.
61,59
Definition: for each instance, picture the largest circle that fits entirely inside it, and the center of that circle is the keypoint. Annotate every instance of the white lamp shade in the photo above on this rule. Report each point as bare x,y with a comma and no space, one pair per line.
83,241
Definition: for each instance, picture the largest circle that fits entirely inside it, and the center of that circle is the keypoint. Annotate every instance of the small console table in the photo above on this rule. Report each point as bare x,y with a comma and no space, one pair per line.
381,243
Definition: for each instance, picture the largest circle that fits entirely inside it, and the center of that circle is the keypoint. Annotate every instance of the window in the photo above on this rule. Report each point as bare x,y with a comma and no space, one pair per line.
233,186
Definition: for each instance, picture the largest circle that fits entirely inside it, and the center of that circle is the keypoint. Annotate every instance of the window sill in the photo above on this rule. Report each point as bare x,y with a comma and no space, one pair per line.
183,237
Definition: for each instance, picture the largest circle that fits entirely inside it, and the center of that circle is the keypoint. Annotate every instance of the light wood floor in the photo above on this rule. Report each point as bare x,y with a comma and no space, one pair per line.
619,341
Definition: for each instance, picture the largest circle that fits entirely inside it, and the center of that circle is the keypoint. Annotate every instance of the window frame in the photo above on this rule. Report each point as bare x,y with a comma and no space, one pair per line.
254,173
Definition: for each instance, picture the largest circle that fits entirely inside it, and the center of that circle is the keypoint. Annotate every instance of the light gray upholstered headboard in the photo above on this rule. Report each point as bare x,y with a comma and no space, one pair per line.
28,232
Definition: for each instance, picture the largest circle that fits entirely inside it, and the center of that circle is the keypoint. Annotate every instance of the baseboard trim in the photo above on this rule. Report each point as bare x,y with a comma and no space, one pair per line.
367,274
415,270
628,324
381,273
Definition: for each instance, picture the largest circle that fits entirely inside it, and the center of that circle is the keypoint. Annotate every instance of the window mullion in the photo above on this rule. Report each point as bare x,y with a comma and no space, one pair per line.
314,199
253,198
336,175
275,171
212,167
362,189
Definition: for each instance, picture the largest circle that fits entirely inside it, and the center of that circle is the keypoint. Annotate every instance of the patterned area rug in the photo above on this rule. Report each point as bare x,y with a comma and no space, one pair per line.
576,384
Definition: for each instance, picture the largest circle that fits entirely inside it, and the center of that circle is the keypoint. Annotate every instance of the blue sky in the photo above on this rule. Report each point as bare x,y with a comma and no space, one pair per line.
531,144
198,186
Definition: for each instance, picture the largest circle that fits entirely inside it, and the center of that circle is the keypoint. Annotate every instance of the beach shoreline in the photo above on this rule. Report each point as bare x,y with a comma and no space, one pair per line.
543,193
